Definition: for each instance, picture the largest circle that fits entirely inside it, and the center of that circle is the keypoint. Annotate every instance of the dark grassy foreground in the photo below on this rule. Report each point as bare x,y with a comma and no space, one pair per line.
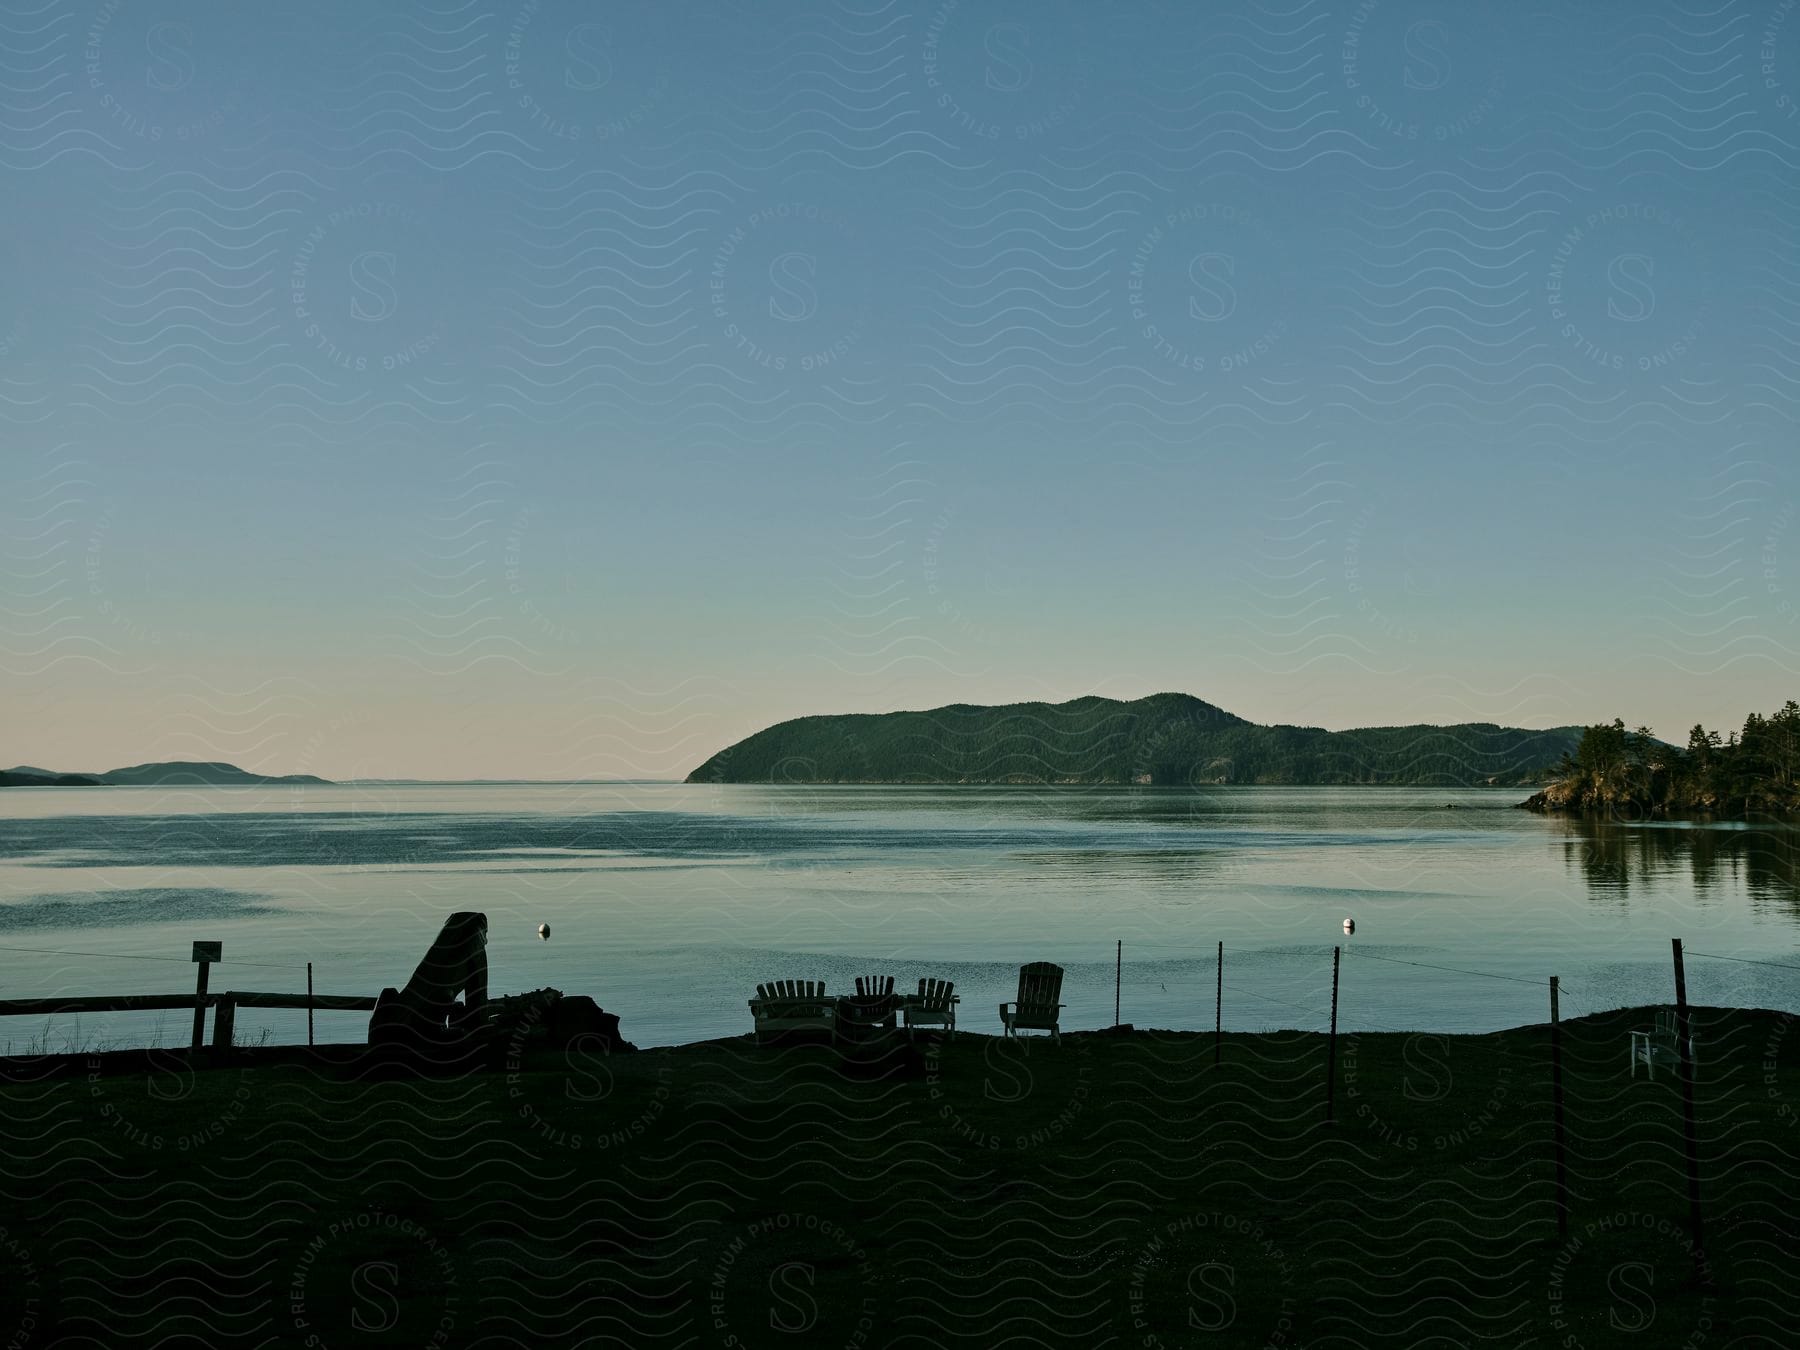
1116,1190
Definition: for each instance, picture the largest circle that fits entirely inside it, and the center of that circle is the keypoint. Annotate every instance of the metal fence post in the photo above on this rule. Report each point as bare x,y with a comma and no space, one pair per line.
1683,1049
1556,1098
1219,1005
1337,954
1118,978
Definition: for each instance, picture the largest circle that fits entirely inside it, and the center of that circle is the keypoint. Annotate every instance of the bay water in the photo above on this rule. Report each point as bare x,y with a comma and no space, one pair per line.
668,903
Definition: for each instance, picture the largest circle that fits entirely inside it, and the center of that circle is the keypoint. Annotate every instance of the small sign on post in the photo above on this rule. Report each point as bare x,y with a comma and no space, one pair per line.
205,953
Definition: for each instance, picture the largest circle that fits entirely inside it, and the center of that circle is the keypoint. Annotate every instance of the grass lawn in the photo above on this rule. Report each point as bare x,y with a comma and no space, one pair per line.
1113,1190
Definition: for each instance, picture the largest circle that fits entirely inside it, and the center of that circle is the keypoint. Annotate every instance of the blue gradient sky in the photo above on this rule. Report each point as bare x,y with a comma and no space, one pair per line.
550,390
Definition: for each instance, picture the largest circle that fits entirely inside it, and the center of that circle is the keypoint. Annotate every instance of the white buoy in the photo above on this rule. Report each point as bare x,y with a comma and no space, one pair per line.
544,931
1349,926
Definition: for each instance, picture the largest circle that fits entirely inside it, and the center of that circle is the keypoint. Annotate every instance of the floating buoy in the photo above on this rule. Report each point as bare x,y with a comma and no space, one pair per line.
544,931
1349,926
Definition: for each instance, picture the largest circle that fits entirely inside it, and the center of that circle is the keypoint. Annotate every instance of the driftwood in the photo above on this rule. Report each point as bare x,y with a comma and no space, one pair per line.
426,1020
426,1015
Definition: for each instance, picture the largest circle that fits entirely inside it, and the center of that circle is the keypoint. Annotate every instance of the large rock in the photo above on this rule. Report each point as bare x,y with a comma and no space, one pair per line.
547,1019
575,1016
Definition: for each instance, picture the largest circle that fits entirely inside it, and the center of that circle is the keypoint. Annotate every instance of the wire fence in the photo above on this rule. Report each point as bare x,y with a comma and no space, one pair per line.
1178,986
1147,983
141,1020
1353,1086
142,956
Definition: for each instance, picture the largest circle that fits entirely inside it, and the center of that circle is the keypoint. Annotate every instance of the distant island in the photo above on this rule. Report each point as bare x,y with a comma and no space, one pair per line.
1630,775
169,773
1162,740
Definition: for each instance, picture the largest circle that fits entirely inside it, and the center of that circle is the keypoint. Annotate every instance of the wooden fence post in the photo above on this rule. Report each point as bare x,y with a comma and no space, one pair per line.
1556,1098
1118,978
205,953
1331,1043
1219,1006
1683,1046
224,1026
309,1006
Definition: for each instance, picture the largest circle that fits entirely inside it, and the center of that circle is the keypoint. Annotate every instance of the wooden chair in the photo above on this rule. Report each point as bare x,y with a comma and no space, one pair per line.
872,1008
1036,1008
933,1006
792,1005
1660,1044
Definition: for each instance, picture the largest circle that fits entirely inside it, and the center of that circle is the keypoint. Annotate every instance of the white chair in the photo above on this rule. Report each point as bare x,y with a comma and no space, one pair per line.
933,1006
870,1011
1036,1008
1659,1044
792,1005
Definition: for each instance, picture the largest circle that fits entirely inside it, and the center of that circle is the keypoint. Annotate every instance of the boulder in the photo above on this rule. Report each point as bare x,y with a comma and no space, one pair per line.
575,1016
547,1019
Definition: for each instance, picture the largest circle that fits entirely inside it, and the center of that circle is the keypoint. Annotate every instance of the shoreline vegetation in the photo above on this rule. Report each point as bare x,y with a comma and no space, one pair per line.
1164,740
1631,775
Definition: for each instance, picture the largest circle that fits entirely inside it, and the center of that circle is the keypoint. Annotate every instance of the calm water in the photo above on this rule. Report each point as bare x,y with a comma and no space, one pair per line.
668,903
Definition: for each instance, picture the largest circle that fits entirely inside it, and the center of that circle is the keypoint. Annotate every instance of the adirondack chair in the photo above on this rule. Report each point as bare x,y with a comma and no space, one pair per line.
792,1005
1660,1044
871,1008
1036,1008
933,1006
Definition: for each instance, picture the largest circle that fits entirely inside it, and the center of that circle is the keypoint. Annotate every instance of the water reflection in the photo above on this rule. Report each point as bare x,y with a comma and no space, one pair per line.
1762,858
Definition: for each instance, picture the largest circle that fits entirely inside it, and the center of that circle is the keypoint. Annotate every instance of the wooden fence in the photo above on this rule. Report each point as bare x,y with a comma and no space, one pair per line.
224,1005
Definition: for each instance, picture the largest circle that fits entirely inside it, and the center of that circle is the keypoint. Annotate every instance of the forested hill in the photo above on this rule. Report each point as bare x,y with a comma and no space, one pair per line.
1165,739
168,773
1631,775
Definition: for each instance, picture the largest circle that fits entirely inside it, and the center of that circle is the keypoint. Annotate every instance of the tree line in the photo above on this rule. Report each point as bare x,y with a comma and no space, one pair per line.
1630,773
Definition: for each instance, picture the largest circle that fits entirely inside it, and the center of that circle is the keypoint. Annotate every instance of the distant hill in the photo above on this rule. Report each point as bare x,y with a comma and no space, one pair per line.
1162,740
169,773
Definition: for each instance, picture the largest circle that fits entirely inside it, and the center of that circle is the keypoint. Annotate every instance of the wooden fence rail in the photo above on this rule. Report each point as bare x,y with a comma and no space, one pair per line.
79,1003
323,1002
225,1005
225,1019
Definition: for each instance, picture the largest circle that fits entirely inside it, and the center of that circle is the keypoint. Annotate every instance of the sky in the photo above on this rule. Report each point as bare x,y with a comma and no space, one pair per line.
560,390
